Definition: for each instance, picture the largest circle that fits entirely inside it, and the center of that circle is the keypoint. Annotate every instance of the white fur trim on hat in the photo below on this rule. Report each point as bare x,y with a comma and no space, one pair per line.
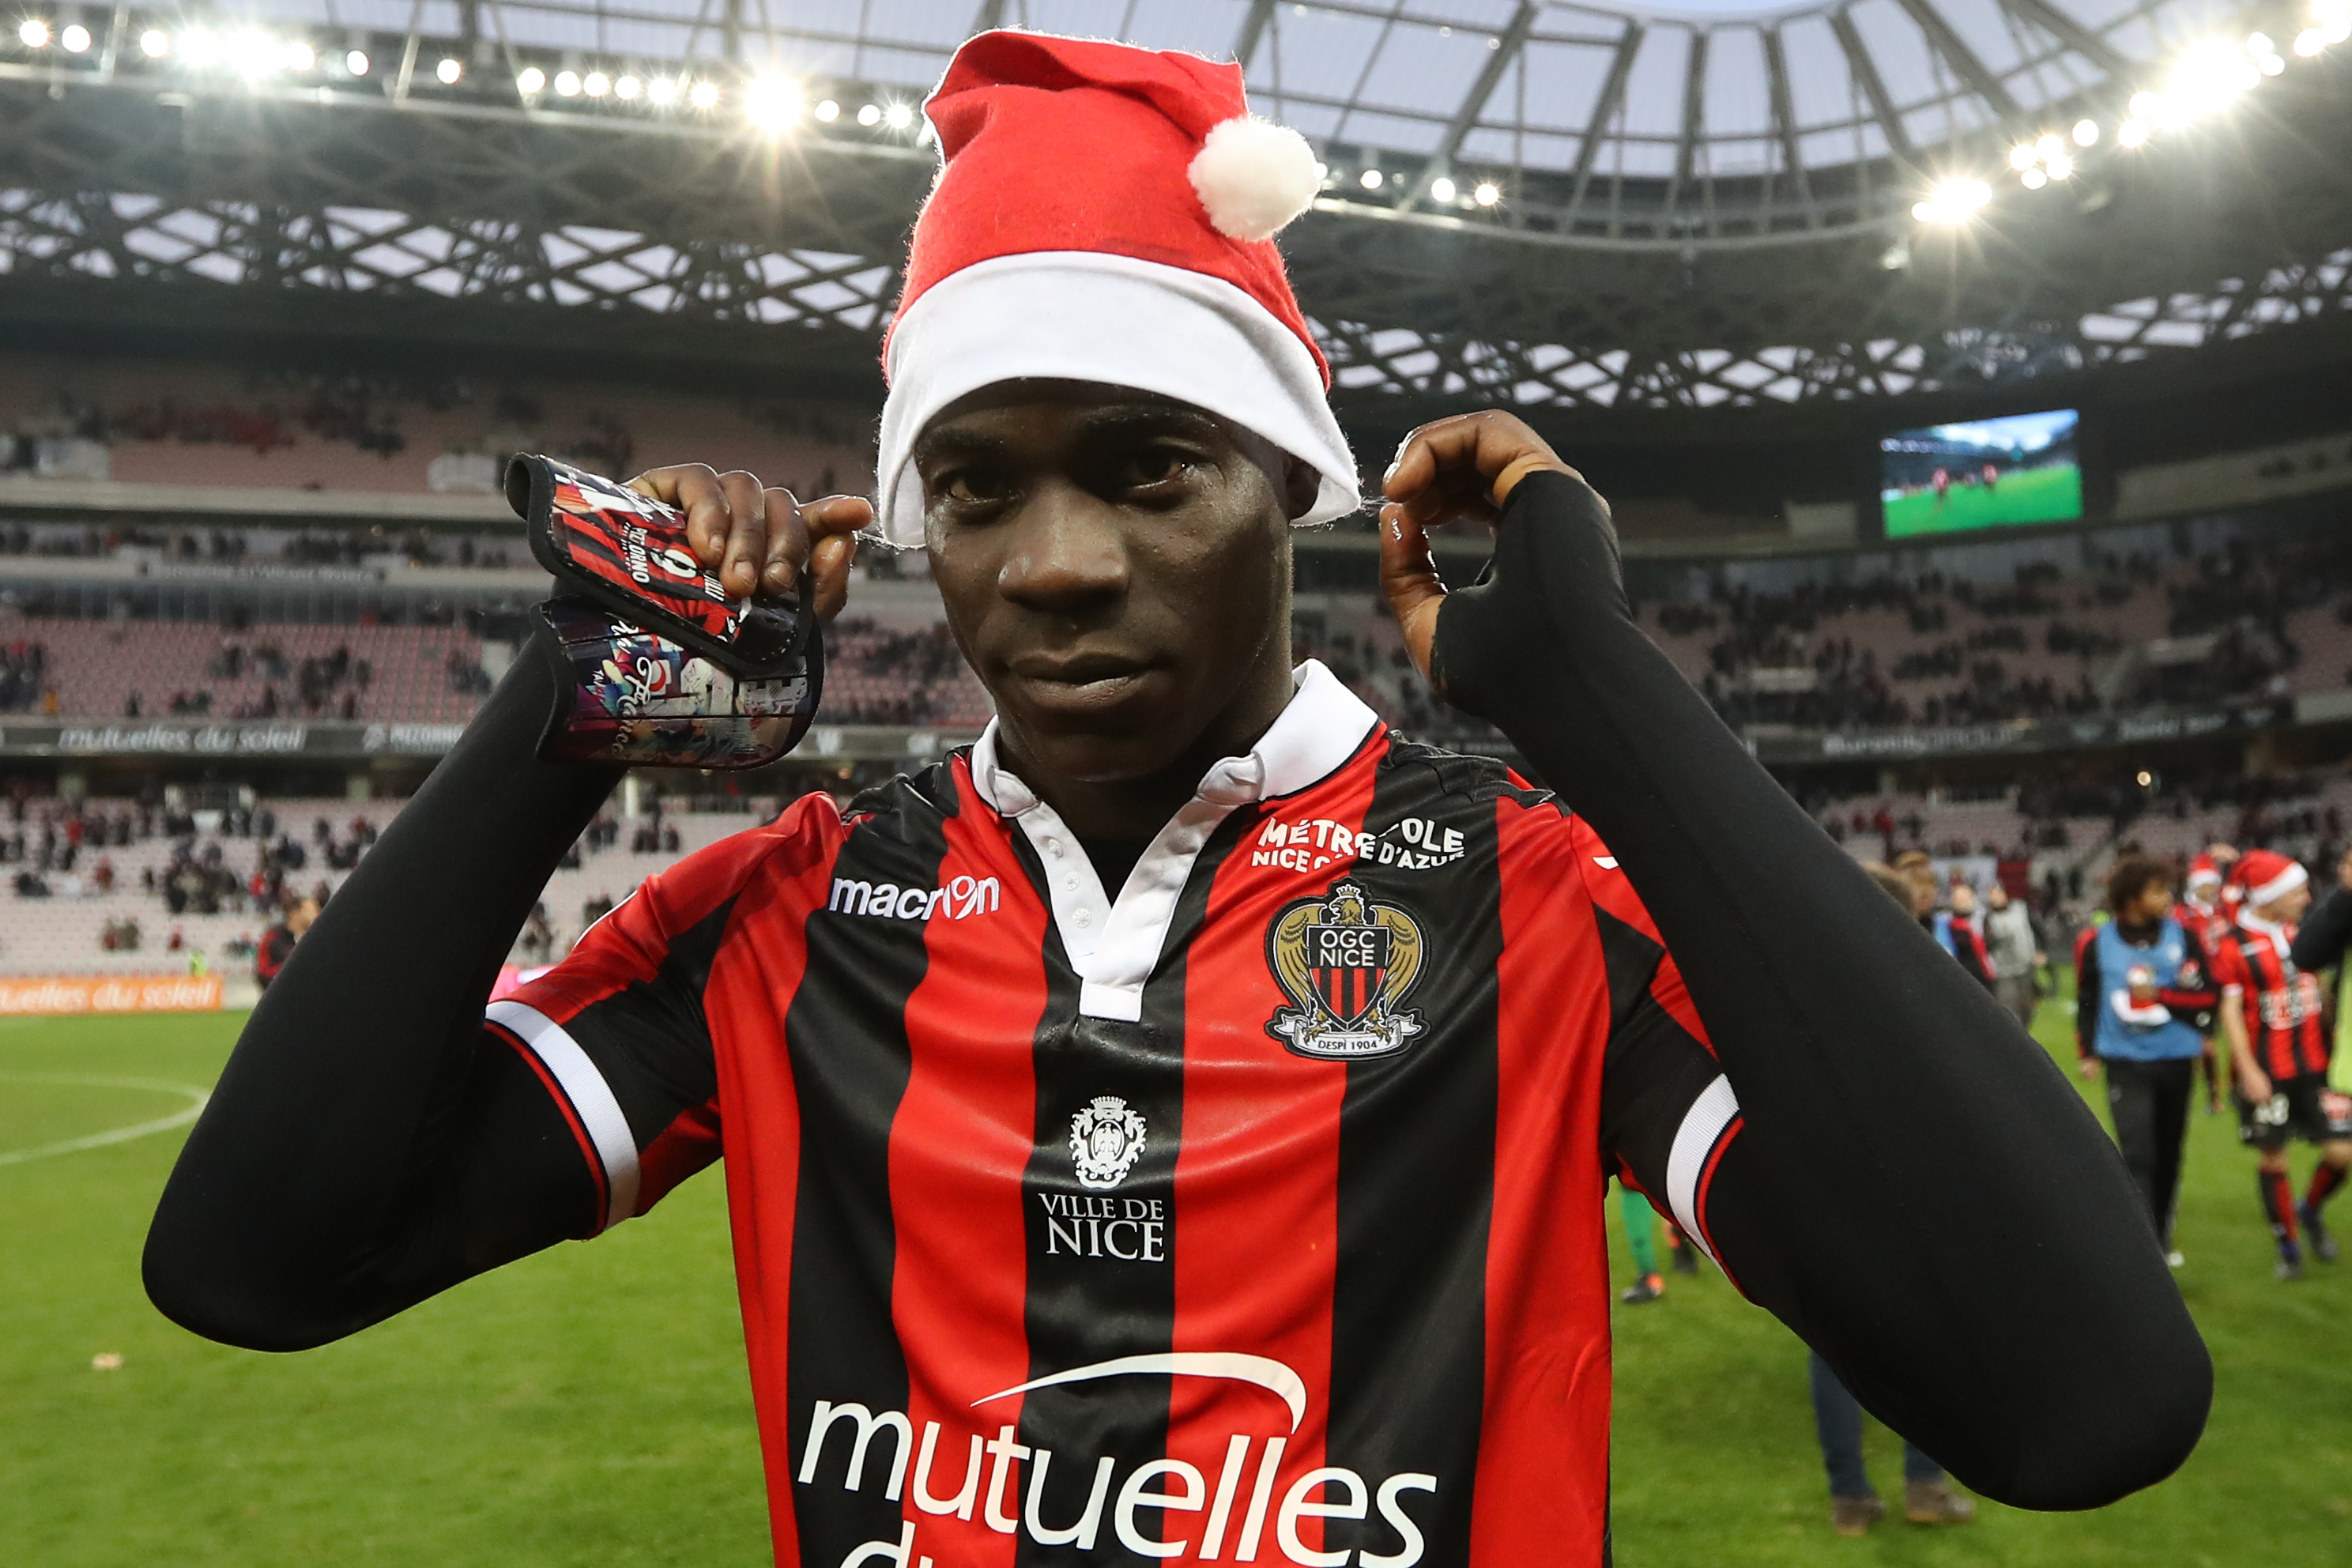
1254,177
2286,882
1087,315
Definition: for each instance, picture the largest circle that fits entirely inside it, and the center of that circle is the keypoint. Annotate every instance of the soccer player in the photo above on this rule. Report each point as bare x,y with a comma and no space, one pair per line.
2207,918
2271,1015
278,941
1177,1126
2140,985
1640,1240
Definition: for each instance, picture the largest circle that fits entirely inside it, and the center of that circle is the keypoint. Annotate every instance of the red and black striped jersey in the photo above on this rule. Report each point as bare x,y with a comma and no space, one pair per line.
2281,1004
1250,1216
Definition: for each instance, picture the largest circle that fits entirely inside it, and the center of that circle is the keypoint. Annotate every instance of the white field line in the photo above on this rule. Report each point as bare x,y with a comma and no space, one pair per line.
195,1097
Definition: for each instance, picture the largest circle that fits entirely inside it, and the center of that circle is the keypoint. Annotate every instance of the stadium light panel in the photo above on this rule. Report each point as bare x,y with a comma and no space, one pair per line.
595,84
155,42
299,56
357,63
2022,156
703,95
898,116
2144,106
1371,179
530,82
76,39
198,47
828,111
2060,166
448,72
2048,146
32,33
567,84
1953,202
628,89
662,89
1487,195
2309,42
2086,133
2033,179
2132,133
2259,44
1441,189
2271,65
772,103
869,115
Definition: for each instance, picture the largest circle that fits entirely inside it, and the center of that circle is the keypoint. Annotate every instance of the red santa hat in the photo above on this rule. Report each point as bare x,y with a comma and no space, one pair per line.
1106,213
2202,871
2263,874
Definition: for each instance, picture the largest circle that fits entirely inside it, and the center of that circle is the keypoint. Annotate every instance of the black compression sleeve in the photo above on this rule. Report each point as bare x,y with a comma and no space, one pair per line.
1917,1191
2320,940
370,1142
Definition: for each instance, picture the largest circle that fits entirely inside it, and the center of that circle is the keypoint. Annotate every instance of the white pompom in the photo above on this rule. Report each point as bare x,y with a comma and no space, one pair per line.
1254,177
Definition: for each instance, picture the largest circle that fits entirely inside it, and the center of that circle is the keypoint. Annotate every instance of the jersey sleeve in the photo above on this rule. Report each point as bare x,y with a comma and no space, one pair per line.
617,1032
1667,1111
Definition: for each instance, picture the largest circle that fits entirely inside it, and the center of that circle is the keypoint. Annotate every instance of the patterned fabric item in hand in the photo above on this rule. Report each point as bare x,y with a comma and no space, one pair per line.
639,699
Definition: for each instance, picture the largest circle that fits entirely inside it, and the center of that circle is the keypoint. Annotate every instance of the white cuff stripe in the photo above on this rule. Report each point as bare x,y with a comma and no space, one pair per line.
1701,1130
590,1096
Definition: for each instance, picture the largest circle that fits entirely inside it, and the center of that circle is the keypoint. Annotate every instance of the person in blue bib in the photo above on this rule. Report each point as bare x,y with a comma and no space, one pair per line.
2142,981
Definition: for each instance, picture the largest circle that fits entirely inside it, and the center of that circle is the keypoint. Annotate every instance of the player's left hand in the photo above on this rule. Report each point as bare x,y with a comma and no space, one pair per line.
1461,469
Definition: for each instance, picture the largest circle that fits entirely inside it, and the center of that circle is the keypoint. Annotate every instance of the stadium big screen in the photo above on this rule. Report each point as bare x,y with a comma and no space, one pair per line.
1984,473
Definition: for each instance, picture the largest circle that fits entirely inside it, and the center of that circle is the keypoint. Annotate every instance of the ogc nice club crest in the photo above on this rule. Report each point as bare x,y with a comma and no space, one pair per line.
1346,964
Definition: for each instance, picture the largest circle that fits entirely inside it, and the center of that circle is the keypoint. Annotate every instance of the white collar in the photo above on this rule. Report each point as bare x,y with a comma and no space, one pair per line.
1312,738
1113,945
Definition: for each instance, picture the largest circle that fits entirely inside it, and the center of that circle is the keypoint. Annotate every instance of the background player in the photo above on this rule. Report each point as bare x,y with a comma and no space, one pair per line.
2271,1015
2140,984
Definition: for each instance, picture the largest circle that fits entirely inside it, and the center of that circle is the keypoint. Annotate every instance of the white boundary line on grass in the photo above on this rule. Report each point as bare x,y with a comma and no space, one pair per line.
196,1101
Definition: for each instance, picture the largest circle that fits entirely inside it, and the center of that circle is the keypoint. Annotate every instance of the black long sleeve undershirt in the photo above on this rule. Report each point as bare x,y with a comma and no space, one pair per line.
1918,1192
368,1144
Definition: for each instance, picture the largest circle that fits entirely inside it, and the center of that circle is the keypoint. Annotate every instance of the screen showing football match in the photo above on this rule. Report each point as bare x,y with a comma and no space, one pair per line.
1983,473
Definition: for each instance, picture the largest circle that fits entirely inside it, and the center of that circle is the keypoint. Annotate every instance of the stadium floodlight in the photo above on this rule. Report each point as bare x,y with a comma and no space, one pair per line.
76,38
2086,133
2259,44
2144,106
298,55
595,84
869,114
1953,202
155,42
530,82
356,62
898,116
32,33
2022,156
567,84
2207,77
703,95
198,47
2033,179
1441,189
628,88
662,89
1371,179
2271,65
448,71
2132,133
2059,167
1487,194
828,111
2309,42
2048,146
772,103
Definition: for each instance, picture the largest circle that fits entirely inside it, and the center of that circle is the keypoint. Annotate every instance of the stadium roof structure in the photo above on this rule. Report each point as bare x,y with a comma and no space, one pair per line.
1558,206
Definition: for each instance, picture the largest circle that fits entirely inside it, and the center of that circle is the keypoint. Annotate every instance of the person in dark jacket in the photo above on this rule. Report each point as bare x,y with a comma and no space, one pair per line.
278,941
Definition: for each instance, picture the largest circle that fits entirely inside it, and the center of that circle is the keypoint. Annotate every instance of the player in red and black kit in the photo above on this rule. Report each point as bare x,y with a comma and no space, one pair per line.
278,942
2205,915
1176,1127
2272,1017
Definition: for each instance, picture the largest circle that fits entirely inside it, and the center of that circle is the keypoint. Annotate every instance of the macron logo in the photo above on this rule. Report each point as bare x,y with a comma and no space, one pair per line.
962,897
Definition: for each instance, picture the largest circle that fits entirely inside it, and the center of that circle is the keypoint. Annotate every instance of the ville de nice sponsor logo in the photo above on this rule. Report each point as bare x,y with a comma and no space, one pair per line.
1415,844
1106,1138
1236,1514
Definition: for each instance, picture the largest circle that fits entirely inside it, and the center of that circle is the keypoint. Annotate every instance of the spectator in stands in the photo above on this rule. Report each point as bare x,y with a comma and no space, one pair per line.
2015,943
278,941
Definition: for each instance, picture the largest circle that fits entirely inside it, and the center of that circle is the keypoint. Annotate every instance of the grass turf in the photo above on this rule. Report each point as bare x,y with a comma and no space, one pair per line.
2053,494
590,1404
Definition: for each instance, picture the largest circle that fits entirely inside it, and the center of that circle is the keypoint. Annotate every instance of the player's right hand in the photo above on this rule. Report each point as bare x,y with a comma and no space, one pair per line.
2090,1069
2255,1085
757,538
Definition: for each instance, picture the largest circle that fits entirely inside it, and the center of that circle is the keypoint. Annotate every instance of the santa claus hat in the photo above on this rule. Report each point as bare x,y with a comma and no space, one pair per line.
2201,870
1106,213
2264,875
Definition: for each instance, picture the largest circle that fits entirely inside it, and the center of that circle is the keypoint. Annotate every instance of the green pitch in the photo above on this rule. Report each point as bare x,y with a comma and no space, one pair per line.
2053,494
590,1404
